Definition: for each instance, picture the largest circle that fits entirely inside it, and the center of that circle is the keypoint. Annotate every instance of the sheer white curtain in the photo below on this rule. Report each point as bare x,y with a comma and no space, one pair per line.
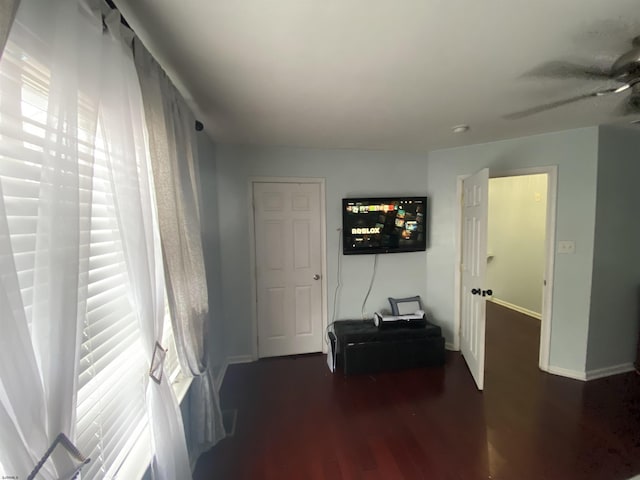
44,223
176,178
131,177
81,277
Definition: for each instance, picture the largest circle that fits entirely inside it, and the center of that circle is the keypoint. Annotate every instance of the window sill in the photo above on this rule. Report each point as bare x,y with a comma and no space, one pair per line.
181,386
138,460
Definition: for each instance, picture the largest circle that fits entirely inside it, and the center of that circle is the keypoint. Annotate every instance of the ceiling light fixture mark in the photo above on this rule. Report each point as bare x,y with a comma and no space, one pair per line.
461,128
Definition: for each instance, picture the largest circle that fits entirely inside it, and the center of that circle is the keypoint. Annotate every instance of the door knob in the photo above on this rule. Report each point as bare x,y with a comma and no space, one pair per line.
316,277
475,291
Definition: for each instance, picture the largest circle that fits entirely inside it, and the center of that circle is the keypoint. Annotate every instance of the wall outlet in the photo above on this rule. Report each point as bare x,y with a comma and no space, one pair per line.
566,247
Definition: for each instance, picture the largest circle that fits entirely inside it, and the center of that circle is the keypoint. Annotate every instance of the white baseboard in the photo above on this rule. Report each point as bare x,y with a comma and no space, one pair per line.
592,374
451,347
220,377
239,359
517,308
608,371
565,372
230,361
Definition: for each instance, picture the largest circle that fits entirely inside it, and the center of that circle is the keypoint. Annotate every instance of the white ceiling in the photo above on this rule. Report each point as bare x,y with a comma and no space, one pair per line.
383,74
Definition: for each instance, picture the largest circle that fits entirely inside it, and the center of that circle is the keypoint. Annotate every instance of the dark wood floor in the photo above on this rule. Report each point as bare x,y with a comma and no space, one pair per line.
297,421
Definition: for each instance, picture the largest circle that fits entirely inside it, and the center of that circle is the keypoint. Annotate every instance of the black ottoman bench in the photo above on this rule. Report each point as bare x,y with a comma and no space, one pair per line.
361,347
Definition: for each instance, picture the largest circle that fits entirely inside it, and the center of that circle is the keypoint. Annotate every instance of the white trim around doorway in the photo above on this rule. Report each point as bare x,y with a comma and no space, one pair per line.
547,295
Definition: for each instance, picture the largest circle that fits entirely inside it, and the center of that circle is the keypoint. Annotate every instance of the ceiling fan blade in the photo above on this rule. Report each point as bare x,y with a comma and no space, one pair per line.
559,103
546,106
562,69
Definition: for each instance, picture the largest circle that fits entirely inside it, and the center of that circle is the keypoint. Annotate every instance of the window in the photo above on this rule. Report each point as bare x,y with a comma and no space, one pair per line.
111,411
111,397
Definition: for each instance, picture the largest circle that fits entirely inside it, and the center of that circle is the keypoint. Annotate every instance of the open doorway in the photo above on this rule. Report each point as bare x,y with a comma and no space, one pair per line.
517,223
472,289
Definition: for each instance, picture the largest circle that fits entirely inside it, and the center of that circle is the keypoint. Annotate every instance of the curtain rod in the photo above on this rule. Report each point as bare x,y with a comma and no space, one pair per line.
199,126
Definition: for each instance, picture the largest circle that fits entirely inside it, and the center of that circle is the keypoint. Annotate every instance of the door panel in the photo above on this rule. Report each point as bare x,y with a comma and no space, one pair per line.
288,247
273,233
304,305
473,268
301,242
274,326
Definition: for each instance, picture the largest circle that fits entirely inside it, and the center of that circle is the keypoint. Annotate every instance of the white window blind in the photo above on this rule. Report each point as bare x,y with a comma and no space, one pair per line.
111,412
111,404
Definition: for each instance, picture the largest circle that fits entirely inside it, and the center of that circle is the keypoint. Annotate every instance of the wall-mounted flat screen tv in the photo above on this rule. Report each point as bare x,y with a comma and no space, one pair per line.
384,224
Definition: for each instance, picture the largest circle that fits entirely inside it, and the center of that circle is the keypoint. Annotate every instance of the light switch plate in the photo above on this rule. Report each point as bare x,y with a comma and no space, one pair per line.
566,246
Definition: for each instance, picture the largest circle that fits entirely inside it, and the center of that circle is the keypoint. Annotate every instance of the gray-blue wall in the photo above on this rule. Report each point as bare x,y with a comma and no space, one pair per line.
346,173
613,323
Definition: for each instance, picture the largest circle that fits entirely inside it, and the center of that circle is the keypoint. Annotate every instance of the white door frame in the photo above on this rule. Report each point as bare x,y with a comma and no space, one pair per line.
252,254
550,241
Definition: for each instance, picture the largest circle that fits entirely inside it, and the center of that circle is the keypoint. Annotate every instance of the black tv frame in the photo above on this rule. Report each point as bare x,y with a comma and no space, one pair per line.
418,246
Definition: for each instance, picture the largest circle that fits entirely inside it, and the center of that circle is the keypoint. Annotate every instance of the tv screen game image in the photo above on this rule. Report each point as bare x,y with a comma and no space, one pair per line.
383,225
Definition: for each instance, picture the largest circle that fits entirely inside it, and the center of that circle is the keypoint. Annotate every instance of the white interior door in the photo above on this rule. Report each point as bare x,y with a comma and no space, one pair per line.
474,264
288,249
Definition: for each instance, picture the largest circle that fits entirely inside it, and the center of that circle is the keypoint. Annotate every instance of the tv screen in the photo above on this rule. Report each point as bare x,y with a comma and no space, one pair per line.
383,225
